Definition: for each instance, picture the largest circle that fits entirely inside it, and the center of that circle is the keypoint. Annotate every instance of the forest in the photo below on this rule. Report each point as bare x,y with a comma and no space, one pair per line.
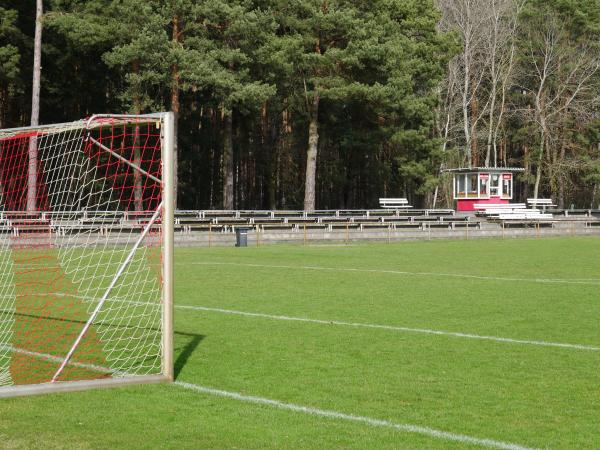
325,104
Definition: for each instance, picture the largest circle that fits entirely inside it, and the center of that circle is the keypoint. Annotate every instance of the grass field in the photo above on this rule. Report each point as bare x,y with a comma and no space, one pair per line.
437,345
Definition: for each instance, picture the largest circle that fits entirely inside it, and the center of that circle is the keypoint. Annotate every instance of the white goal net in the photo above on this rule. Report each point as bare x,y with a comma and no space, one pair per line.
86,252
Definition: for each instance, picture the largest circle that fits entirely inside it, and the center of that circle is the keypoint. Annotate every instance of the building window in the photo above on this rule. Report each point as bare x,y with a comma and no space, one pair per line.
472,180
483,185
495,185
461,186
507,186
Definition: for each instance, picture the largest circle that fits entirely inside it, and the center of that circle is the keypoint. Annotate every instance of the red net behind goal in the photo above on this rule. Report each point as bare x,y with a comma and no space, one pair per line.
80,251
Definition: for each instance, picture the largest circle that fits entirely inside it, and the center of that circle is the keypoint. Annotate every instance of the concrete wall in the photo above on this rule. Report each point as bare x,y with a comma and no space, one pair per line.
339,236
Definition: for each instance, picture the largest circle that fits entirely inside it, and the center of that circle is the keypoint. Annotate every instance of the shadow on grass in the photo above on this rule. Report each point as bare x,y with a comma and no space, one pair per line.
185,351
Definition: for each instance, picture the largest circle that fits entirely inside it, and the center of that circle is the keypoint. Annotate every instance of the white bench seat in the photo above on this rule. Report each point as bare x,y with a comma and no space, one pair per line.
486,206
525,216
541,202
394,203
496,211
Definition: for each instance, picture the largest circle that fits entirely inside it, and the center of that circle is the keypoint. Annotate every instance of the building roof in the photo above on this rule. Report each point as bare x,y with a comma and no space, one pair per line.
485,169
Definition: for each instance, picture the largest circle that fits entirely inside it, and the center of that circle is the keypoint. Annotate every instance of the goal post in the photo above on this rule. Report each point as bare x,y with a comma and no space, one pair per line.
86,254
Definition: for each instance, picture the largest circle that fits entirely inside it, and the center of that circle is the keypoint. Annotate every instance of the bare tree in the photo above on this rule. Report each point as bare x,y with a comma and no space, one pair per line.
561,73
485,66
469,19
35,108
501,34
446,125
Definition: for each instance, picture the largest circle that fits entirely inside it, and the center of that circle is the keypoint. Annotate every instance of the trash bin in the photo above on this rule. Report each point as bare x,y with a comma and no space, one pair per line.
241,237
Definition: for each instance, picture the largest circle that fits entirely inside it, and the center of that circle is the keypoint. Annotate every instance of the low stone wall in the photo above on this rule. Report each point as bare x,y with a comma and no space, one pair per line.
313,236
339,236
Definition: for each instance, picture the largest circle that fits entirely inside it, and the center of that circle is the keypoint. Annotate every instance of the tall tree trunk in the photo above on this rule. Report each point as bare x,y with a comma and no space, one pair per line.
561,177
138,196
311,156
474,141
35,109
284,174
490,137
561,192
466,57
538,169
527,173
446,134
228,161
466,129
175,105
3,105
270,135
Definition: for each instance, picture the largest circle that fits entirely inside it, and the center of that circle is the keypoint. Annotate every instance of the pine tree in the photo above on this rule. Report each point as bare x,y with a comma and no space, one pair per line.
10,58
385,54
237,34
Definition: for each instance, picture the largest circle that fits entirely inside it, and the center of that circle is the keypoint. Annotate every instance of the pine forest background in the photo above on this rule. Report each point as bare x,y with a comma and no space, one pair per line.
290,104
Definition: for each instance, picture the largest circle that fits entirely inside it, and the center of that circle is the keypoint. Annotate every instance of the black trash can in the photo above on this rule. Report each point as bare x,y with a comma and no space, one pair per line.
241,237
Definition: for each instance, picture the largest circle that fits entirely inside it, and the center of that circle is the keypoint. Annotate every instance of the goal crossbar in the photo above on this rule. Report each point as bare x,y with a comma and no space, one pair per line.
93,122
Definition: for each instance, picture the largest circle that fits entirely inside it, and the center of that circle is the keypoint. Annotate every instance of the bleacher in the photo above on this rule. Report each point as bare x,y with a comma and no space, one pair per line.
190,222
69,222
512,212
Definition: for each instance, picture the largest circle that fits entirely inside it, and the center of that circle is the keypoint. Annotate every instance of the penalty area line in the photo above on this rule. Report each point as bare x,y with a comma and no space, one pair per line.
394,328
406,428
588,282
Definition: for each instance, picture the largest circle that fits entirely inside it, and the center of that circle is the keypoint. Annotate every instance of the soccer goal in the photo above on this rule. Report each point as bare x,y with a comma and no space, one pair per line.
86,254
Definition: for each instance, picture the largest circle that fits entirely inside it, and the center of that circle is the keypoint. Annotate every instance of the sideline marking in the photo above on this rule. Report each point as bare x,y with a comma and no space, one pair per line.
407,428
582,281
400,272
393,328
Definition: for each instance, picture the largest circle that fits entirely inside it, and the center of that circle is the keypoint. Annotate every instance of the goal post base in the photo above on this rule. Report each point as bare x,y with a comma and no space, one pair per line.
74,386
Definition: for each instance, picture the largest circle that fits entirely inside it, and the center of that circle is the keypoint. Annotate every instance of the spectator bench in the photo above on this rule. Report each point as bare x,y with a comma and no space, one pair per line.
543,202
397,203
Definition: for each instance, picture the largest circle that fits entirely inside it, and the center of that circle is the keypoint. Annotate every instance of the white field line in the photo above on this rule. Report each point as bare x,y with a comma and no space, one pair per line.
393,328
584,281
57,359
361,325
406,428
590,282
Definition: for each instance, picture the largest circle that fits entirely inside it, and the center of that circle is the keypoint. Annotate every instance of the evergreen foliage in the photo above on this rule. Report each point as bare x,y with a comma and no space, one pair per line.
309,103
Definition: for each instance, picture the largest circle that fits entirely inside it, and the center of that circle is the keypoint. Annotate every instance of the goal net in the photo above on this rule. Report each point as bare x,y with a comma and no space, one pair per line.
86,244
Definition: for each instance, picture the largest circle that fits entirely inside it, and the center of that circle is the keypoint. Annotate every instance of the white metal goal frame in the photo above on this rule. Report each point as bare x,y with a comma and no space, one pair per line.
162,217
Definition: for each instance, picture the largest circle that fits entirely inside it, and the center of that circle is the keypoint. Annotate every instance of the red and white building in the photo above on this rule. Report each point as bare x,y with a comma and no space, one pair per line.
481,185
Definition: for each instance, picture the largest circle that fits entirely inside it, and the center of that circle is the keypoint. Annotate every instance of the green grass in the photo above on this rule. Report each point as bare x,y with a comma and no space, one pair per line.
525,394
